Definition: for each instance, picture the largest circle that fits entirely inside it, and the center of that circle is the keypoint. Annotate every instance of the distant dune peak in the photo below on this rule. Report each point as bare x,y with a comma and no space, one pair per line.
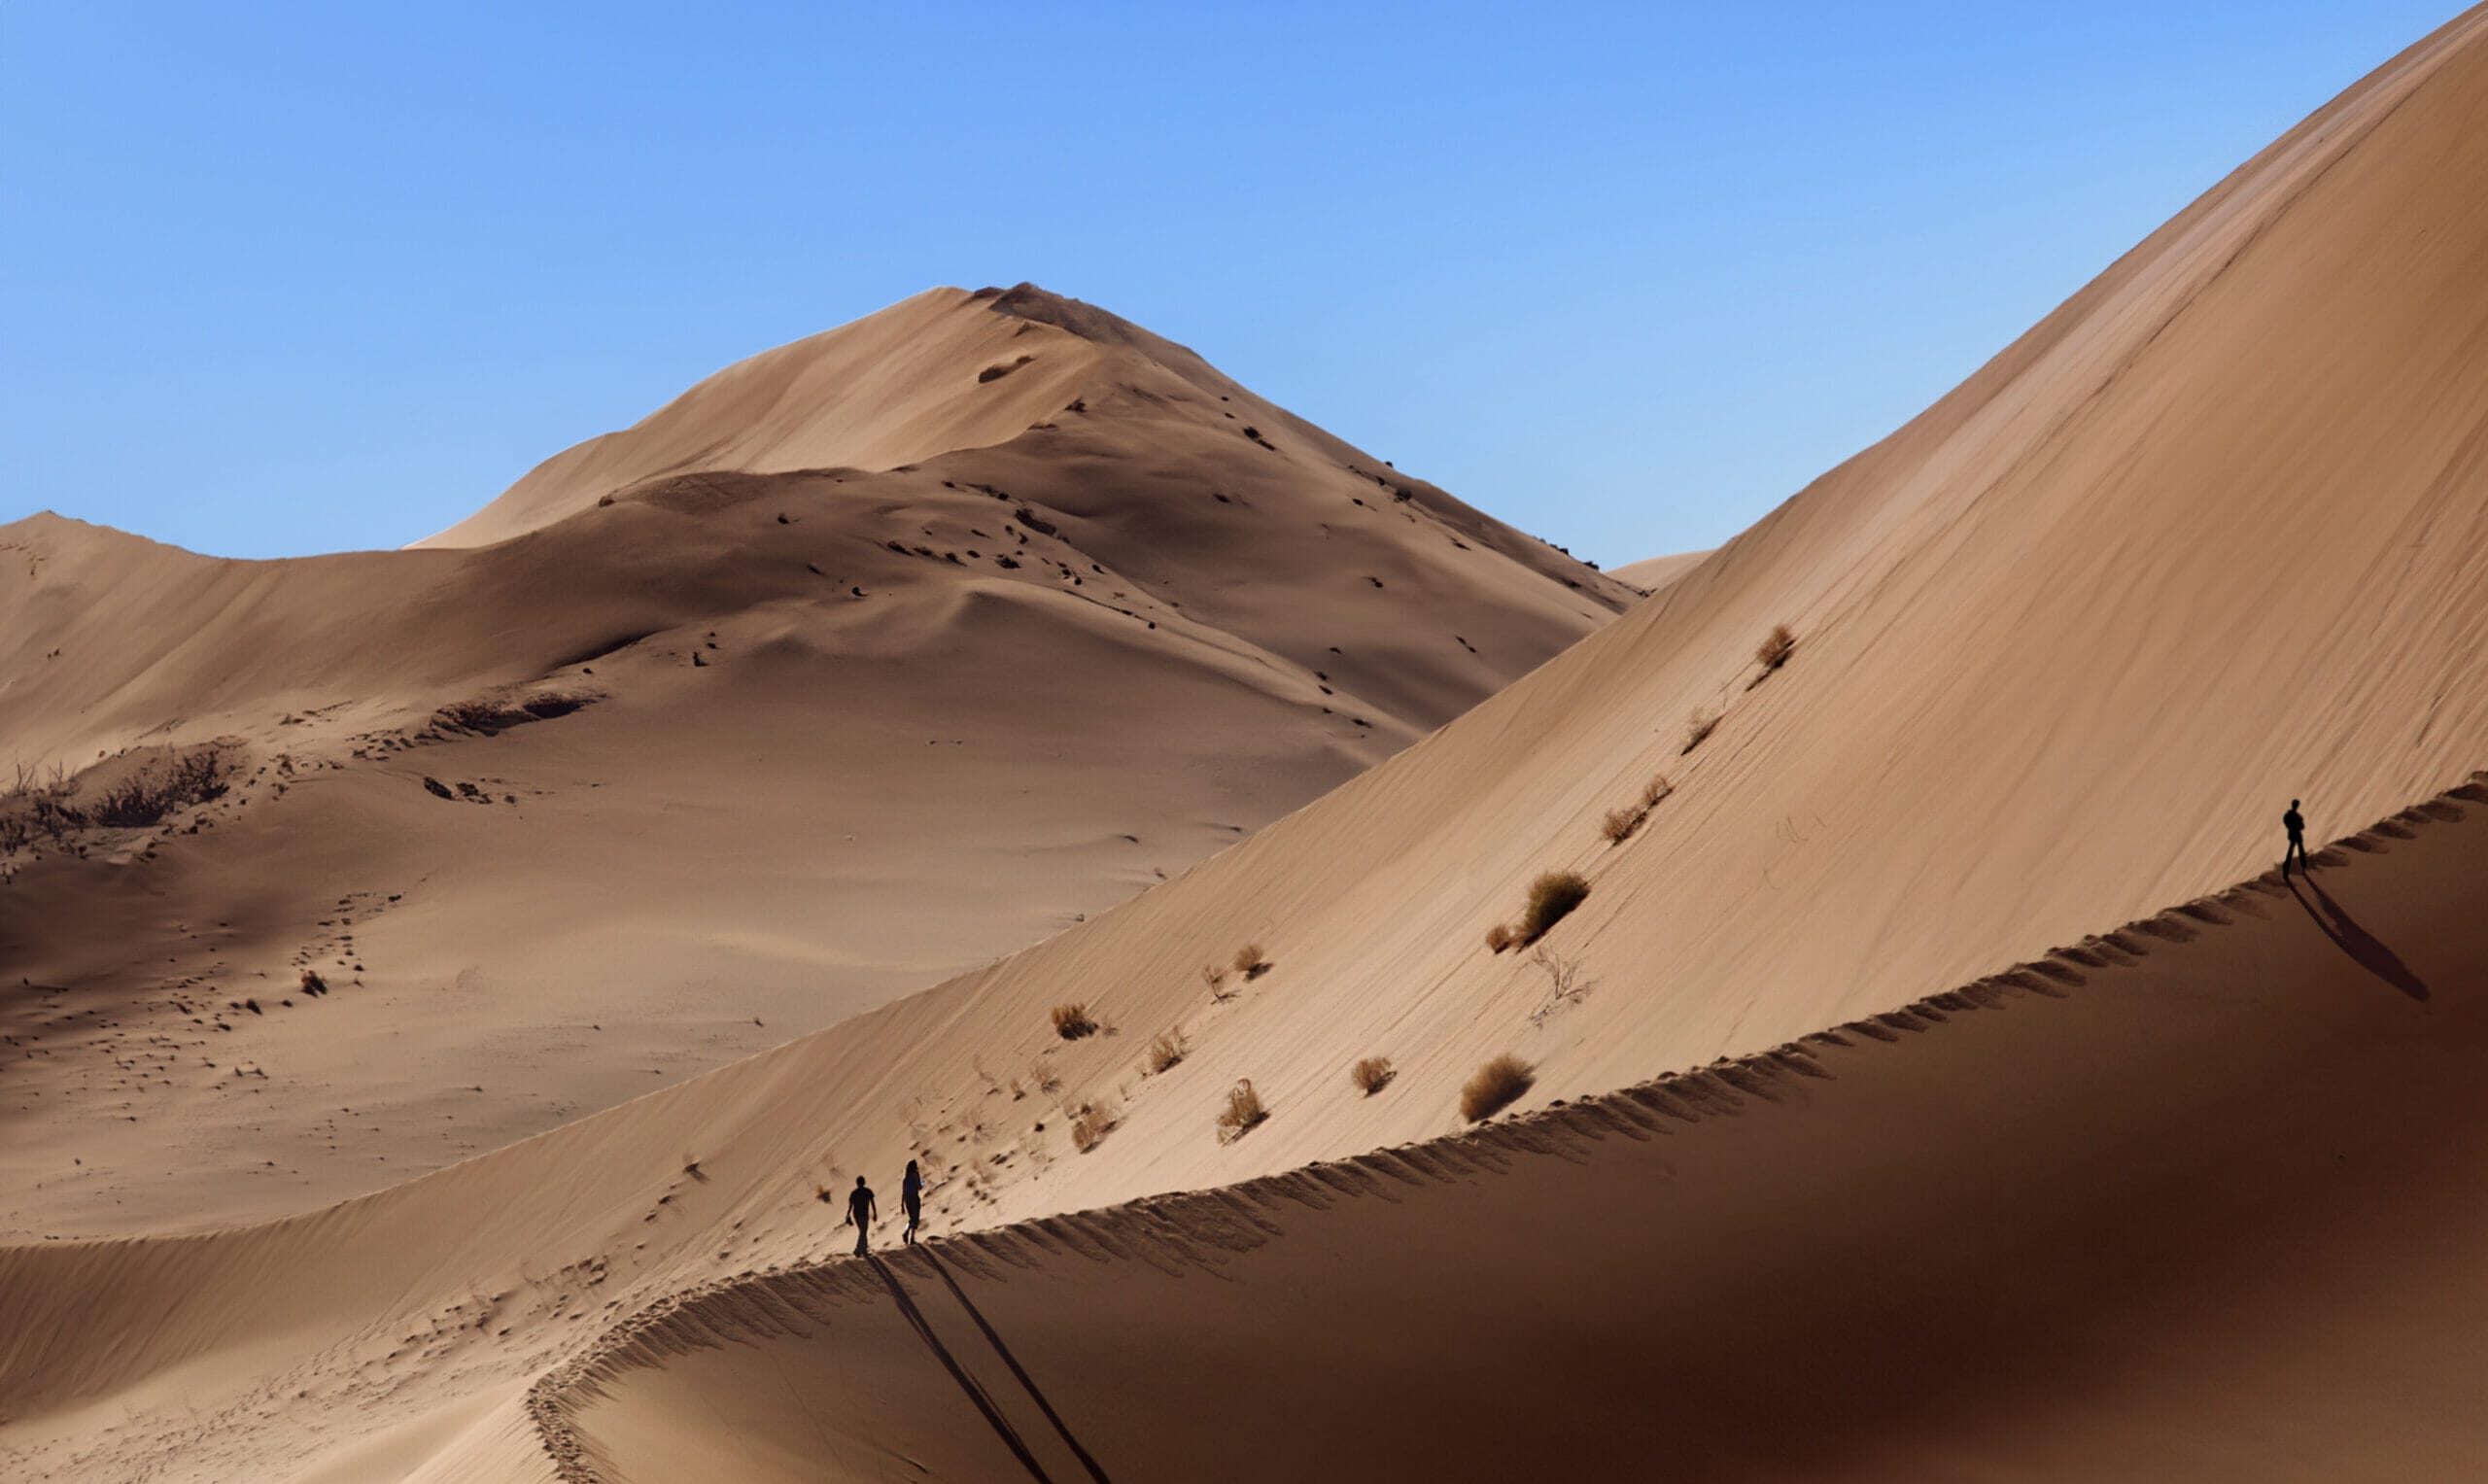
938,372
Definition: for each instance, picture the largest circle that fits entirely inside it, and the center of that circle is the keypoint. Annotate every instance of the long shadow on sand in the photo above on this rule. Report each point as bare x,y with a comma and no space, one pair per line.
1000,1424
2362,945
1008,1358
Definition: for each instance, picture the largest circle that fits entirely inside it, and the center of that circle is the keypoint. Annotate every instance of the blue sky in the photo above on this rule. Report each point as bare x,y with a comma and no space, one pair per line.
286,278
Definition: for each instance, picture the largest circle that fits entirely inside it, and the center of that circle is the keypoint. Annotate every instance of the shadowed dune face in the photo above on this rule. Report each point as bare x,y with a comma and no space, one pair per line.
2184,1219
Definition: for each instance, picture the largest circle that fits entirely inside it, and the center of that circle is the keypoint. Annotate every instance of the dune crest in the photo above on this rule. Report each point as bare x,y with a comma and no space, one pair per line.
2211,537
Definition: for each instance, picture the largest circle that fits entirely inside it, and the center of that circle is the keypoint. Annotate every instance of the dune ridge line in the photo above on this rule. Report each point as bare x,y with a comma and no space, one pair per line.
1192,1228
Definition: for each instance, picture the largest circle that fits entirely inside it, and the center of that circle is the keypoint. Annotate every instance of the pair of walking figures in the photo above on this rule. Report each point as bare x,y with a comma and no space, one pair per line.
862,1210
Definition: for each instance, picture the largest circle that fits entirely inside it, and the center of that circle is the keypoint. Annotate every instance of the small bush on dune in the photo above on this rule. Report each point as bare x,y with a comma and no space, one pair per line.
33,808
1169,1048
148,795
1496,1087
1250,961
1090,1122
1072,1021
1216,977
1776,647
1551,899
1498,937
1371,1074
1243,1111
1618,825
1698,727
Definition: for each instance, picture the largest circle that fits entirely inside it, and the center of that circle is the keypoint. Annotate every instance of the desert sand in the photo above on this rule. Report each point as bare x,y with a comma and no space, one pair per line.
1652,575
811,737
1937,1080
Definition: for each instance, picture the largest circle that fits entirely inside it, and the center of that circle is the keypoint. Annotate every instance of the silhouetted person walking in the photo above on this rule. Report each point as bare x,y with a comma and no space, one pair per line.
861,1211
2295,823
910,1195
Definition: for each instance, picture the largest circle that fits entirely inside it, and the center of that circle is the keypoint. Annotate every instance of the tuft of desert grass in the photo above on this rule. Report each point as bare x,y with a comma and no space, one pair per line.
1242,1113
1216,977
1500,937
1090,1122
1496,1087
1072,1021
1776,647
1371,1074
1250,961
1170,1046
1618,825
1551,899
1698,728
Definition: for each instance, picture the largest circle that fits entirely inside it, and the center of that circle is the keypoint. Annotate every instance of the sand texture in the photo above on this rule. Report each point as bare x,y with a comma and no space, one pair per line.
670,780
1936,1082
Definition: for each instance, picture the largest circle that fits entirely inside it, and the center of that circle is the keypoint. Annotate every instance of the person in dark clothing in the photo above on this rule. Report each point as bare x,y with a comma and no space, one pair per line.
861,1211
2295,823
910,1195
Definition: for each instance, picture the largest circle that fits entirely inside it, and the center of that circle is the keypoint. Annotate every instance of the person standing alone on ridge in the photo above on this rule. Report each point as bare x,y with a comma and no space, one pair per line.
910,1195
860,1210
2295,823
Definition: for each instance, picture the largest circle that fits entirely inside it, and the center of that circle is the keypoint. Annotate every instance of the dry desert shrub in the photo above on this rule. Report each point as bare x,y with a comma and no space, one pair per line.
1371,1074
1496,1087
1169,1048
1551,899
148,795
36,807
1564,983
1250,961
1090,1122
1500,937
491,716
1776,647
1243,1111
1698,727
1072,1021
1620,824
1216,977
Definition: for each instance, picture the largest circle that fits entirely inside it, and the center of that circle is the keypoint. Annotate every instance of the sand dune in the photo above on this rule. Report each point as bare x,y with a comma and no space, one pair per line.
2210,536
2171,1205
1652,575
675,777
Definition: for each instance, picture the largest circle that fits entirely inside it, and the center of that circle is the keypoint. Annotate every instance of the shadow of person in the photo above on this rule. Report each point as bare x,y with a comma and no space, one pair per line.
994,1338
966,1383
2362,945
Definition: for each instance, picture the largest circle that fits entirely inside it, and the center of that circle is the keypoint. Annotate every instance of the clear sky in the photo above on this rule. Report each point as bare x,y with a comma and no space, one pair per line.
285,278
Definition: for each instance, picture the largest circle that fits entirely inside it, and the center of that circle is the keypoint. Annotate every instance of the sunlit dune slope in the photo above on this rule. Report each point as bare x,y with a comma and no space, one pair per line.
713,759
